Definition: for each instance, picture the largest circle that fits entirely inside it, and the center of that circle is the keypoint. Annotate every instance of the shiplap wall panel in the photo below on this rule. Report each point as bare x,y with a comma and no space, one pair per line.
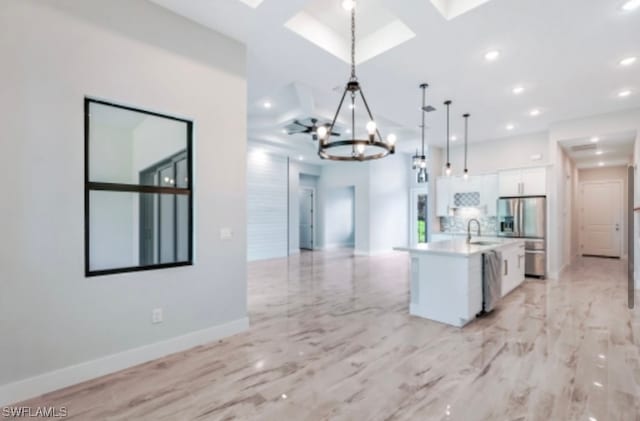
267,206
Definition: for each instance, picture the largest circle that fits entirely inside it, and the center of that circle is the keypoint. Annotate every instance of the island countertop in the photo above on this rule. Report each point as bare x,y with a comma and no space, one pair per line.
459,246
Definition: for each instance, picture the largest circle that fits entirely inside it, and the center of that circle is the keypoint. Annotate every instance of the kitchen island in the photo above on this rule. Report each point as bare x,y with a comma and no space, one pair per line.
446,276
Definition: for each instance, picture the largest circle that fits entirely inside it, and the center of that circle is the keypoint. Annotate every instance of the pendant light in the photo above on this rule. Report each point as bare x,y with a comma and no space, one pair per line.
354,149
420,160
466,143
447,170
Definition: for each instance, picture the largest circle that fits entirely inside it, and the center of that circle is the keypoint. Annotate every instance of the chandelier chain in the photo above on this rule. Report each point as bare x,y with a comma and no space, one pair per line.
353,43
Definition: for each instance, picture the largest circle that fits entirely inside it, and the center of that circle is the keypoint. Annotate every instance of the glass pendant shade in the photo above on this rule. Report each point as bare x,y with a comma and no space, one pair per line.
419,160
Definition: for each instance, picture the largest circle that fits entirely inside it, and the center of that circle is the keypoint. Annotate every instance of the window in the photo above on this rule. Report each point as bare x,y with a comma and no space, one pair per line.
138,189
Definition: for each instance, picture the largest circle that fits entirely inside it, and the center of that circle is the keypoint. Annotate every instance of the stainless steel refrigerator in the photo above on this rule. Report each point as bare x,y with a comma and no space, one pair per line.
526,218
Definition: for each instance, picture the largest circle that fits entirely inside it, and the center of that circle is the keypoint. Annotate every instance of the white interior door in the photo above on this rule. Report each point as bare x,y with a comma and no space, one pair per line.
601,228
306,219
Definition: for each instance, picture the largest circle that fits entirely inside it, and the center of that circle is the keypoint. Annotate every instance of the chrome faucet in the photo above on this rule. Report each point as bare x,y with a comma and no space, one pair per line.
469,229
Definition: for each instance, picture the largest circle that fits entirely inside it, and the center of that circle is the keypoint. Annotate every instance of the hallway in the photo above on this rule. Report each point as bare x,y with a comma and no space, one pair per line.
331,338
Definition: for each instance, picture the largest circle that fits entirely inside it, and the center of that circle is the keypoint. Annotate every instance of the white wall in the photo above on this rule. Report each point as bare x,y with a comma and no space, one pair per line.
51,316
267,222
388,203
493,155
339,211
340,175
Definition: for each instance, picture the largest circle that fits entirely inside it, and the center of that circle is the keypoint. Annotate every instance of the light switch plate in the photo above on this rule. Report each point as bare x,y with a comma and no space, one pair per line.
226,233
156,315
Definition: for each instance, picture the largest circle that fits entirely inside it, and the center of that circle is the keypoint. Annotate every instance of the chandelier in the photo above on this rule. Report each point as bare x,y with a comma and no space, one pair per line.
420,160
354,149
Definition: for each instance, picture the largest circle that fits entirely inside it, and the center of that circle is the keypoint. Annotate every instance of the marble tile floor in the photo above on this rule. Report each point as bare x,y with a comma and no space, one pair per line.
331,339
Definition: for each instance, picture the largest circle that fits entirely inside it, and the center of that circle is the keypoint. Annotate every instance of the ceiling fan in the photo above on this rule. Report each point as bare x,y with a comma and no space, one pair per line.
307,125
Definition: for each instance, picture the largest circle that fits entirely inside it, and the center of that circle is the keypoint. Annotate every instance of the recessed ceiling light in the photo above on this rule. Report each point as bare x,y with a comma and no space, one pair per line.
348,131
534,113
510,126
348,4
627,61
300,158
517,90
454,138
631,5
624,94
284,131
595,139
599,152
492,55
352,106
601,164
267,105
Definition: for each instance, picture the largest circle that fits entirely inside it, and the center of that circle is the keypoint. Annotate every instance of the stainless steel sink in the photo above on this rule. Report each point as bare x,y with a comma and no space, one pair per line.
484,243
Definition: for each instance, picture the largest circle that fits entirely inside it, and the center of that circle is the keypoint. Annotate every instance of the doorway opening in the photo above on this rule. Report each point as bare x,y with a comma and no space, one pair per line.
307,217
419,216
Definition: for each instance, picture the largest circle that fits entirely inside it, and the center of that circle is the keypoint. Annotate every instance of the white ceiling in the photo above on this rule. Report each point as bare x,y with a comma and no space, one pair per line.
612,149
564,53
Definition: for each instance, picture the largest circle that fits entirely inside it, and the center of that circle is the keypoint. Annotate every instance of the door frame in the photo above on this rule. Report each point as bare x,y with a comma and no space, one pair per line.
581,185
414,192
313,217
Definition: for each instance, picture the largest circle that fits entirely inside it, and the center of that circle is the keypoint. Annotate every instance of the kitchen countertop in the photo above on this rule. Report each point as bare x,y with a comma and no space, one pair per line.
459,246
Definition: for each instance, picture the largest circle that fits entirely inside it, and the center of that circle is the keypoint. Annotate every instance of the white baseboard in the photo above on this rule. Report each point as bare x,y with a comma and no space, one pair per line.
68,376
372,252
337,246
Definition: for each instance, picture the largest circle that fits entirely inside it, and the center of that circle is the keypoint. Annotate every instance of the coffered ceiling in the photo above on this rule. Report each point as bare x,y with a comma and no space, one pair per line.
563,55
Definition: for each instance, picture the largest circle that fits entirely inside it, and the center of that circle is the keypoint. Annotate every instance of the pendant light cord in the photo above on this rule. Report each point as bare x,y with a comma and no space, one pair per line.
424,90
466,139
448,103
353,44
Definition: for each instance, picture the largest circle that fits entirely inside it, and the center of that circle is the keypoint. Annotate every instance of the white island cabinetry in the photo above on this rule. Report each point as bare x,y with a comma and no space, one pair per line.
446,276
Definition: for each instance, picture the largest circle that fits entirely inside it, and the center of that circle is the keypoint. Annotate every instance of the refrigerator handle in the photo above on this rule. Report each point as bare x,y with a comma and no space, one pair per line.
520,218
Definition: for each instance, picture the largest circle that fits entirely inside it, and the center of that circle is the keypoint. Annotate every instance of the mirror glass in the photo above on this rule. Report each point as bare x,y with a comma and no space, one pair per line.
125,145
139,207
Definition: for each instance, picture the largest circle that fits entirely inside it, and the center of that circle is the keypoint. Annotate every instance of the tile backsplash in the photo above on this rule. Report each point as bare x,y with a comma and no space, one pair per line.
458,224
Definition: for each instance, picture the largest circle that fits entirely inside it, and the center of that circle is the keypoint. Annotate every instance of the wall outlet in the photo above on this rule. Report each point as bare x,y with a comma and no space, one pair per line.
156,315
226,233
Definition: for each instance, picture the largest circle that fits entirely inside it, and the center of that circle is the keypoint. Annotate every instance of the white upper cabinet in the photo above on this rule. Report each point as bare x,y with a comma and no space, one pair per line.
525,182
489,194
534,181
477,191
509,183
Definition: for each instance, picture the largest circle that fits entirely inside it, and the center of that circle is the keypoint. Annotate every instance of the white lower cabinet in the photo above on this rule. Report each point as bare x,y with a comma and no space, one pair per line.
513,259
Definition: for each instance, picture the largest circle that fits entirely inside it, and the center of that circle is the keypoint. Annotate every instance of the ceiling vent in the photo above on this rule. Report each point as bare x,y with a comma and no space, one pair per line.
587,147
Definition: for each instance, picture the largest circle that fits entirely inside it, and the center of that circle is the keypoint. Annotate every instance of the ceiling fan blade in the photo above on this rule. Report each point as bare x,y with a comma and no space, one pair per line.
293,128
307,122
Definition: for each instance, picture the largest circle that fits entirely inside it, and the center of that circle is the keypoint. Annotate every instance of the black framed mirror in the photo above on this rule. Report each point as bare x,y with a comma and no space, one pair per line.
138,189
